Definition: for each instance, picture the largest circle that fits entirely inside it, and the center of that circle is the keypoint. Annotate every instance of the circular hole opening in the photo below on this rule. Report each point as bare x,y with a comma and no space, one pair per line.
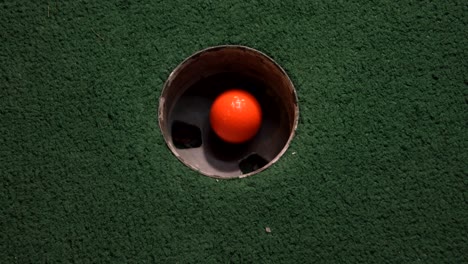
192,87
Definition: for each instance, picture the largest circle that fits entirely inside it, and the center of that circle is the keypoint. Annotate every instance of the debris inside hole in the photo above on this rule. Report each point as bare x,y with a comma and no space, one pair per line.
251,163
185,136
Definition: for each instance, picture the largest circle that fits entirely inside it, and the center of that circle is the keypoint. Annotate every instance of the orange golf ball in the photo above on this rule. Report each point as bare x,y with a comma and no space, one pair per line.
236,116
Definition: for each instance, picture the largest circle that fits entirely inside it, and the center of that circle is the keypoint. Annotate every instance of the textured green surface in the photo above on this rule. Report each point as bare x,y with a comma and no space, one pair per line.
377,171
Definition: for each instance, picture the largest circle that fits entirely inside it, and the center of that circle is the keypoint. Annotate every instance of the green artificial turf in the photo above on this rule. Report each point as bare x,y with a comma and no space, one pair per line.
376,173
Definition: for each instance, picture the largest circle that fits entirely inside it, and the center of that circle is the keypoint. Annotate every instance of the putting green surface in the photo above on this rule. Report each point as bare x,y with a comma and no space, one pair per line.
377,171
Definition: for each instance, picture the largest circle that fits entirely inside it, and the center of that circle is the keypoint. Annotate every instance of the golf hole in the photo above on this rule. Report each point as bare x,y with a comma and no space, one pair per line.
189,92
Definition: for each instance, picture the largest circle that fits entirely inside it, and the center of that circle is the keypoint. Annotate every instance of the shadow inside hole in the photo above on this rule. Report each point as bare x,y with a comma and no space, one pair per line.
185,136
252,163
223,151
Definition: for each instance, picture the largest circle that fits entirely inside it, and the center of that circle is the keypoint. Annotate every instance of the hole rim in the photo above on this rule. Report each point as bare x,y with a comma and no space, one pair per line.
162,113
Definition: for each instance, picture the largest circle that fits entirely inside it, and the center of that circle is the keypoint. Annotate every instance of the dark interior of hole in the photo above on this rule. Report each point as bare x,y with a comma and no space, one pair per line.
252,163
273,106
223,150
185,136
212,86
